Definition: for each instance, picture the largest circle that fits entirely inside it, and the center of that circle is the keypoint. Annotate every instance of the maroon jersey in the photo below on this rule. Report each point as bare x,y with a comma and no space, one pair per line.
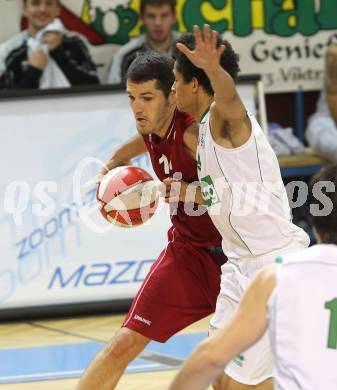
169,156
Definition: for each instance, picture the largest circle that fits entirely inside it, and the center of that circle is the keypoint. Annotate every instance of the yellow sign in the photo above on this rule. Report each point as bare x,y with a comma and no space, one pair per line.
281,18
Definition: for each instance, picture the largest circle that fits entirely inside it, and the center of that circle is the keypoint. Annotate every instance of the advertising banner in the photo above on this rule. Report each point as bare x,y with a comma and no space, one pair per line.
284,40
55,246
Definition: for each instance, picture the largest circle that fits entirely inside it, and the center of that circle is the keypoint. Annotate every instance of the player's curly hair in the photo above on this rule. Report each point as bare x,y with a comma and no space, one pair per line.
153,65
324,219
228,61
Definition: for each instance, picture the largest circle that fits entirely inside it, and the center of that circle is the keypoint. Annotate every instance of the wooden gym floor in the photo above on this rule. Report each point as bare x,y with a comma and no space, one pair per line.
25,336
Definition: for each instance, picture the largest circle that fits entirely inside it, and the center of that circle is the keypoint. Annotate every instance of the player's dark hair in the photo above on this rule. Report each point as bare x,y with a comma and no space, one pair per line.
228,61
144,3
326,225
153,66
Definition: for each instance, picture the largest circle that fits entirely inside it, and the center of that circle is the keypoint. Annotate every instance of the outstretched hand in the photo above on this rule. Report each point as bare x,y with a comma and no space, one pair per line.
205,55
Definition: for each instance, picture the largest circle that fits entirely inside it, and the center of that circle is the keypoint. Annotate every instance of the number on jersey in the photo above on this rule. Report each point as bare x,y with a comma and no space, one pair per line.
167,164
332,336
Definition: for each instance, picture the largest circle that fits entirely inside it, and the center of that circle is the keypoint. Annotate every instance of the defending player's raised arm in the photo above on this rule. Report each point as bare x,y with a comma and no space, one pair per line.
246,326
122,156
227,110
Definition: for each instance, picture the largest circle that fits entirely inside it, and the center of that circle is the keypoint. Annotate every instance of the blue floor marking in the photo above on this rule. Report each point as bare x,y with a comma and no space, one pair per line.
69,360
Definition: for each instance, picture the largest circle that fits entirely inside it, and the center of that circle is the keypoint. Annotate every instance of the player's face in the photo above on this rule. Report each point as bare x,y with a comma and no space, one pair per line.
184,92
158,21
40,12
149,105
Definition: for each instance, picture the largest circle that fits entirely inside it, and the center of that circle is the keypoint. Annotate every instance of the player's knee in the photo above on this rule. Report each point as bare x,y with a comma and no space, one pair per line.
123,347
119,346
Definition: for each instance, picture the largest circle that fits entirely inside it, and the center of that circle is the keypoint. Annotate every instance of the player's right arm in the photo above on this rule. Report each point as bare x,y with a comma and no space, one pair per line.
228,114
246,326
331,79
134,147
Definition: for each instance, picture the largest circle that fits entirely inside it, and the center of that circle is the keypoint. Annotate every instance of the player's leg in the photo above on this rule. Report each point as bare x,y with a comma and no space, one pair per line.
109,364
253,368
105,370
159,310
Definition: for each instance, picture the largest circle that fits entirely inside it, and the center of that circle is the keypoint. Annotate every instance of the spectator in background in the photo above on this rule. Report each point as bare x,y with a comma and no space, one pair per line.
158,17
322,127
45,55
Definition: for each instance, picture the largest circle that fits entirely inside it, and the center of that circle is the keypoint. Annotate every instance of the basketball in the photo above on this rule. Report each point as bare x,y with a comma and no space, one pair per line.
127,196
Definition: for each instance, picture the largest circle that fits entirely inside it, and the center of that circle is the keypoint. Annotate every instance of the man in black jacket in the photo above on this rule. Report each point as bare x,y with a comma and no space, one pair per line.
158,18
45,55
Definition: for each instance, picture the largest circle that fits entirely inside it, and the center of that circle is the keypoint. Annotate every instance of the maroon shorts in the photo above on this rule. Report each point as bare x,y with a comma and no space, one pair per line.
181,288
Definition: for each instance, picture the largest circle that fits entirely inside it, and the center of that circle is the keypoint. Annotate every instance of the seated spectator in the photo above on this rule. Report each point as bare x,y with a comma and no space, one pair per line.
158,18
321,132
45,55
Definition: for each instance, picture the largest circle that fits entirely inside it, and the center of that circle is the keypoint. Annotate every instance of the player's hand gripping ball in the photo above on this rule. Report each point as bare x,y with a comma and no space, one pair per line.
127,196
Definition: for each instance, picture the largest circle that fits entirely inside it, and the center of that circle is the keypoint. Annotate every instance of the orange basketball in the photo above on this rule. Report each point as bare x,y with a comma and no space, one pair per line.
127,196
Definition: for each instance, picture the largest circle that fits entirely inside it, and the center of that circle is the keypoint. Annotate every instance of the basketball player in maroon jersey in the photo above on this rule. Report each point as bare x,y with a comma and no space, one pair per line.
183,284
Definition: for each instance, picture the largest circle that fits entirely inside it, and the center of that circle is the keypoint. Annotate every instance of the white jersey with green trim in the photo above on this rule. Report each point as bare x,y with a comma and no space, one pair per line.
246,197
302,313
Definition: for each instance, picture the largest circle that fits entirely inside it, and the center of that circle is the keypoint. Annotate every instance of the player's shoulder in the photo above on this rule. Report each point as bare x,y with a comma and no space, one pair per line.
319,254
184,120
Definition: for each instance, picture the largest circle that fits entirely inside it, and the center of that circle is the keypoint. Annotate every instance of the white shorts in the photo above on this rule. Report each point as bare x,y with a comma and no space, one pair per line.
254,365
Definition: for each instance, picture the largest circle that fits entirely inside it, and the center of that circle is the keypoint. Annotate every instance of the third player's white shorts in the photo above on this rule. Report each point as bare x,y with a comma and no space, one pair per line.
254,365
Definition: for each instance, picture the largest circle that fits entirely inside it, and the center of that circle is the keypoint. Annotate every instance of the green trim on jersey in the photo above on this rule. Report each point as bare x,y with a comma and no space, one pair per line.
204,114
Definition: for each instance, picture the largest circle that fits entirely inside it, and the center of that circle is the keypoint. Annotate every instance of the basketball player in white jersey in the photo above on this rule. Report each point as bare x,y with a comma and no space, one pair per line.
241,185
297,298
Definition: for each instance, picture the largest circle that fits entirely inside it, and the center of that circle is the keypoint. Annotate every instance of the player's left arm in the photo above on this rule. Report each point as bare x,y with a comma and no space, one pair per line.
246,326
229,118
